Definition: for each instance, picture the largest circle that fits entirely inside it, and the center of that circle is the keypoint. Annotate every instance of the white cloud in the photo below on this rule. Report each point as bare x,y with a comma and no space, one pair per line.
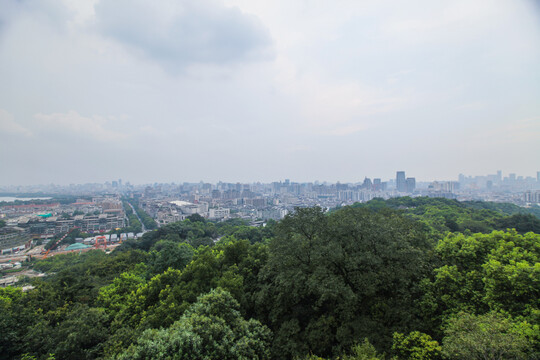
9,126
334,107
405,78
73,123
181,33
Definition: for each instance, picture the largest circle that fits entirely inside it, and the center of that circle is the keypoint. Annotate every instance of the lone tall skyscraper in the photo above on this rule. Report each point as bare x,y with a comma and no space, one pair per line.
401,182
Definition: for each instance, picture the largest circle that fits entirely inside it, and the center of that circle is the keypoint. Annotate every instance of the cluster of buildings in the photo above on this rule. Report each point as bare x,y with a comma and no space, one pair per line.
25,223
168,203
173,202
513,188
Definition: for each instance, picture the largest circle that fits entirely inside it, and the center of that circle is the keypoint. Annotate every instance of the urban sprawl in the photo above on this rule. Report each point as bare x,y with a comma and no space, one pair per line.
102,209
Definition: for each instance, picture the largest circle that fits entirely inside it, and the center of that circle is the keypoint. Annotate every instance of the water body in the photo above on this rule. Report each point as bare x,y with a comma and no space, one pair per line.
12,199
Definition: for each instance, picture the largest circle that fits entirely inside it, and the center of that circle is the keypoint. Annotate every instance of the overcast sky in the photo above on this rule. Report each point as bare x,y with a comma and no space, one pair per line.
246,90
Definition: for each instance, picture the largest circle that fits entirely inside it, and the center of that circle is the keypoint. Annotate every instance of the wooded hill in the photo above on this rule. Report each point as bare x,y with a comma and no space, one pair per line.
404,278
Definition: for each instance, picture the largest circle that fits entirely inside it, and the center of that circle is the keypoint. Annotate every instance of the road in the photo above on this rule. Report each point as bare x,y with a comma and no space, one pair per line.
137,215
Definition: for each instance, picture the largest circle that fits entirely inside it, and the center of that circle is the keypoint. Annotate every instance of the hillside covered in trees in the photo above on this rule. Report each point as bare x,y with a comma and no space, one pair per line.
397,279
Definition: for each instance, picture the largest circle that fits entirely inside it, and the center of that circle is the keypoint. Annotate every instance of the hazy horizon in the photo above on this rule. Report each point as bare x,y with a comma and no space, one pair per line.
191,181
253,91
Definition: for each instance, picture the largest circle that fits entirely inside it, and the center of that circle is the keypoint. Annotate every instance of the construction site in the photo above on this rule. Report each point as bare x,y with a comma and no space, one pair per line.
12,265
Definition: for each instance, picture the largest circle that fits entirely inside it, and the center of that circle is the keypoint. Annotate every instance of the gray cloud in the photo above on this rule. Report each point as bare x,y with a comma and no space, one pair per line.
364,88
54,13
185,32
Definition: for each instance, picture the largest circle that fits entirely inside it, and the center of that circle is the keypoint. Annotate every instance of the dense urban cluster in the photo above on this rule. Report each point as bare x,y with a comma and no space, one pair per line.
113,206
374,270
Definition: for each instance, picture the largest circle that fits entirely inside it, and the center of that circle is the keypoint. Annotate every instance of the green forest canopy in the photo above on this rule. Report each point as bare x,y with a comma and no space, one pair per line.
385,279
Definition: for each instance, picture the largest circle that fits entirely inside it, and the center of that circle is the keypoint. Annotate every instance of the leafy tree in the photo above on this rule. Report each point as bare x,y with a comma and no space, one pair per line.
76,332
416,346
31,357
483,272
169,254
211,329
147,220
488,337
335,278
521,222
364,351
444,215
114,297
15,316
196,218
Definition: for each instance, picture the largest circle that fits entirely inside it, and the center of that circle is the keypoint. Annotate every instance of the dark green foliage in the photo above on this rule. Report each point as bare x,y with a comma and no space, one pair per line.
240,230
504,208
14,317
194,233
70,332
444,215
338,278
170,254
196,218
324,283
522,223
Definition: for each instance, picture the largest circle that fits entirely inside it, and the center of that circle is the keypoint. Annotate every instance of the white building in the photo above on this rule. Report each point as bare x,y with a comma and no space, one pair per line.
219,213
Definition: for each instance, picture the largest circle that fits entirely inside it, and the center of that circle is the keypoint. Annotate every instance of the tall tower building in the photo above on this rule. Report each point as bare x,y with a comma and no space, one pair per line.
377,184
401,182
368,185
410,184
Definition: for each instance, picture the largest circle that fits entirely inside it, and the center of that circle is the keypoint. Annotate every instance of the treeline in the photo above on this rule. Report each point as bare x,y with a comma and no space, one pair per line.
61,199
146,219
368,282
134,223
444,215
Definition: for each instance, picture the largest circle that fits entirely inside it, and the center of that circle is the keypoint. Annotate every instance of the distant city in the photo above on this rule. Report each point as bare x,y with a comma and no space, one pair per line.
42,213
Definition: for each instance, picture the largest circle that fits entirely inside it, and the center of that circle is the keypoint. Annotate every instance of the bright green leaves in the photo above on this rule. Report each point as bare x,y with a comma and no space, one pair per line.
416,346
484,337
212,328
497,271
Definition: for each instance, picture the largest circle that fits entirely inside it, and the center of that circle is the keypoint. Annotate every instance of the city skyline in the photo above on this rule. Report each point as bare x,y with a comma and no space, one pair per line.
238,90
497,176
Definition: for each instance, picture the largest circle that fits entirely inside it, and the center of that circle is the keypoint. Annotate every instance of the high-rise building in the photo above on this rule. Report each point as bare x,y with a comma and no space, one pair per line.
377,184
410,184
401,182
367,184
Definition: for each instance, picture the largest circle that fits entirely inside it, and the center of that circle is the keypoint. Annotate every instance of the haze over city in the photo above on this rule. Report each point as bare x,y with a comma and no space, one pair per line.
259,91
